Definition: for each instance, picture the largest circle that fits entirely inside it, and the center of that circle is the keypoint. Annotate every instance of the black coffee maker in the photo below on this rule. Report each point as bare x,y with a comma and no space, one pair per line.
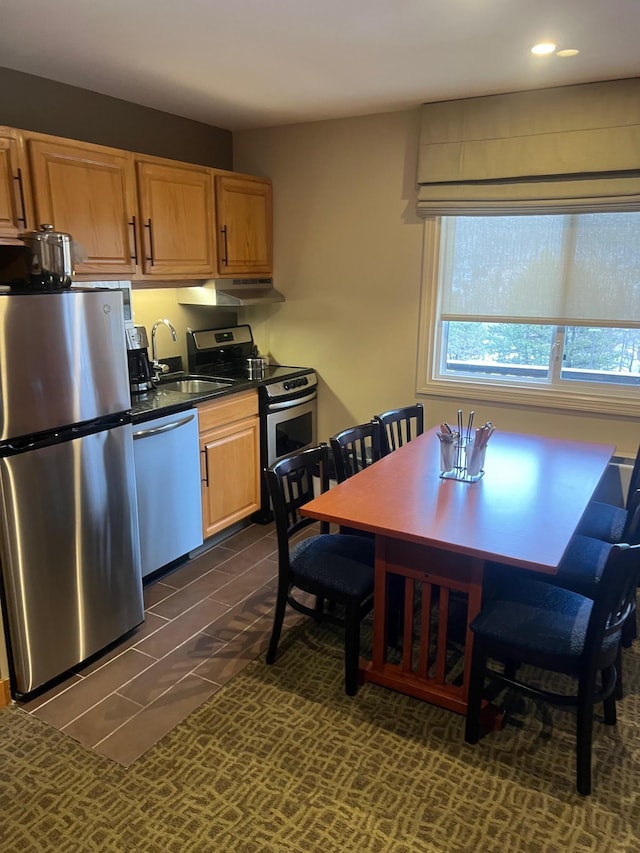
138,360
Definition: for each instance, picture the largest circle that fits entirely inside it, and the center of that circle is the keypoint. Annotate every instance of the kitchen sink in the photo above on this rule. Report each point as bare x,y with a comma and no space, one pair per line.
189,385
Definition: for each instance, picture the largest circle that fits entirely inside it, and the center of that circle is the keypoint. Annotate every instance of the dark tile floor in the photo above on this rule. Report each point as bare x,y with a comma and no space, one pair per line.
204,621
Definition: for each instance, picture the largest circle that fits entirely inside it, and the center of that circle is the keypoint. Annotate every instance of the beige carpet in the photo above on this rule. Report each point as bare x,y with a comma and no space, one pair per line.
281,760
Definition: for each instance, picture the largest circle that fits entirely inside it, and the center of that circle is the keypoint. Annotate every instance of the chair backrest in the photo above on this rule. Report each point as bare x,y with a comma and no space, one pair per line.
356,448
631,532
293,481
613,601
400,426
634,482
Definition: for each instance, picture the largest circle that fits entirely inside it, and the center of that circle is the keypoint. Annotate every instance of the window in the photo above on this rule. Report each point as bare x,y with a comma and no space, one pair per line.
544,308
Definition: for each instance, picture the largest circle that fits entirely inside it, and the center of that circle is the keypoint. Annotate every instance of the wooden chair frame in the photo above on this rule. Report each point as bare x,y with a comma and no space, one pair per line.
400,426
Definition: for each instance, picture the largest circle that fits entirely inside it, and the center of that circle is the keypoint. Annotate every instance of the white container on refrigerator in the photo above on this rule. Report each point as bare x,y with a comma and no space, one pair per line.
167,463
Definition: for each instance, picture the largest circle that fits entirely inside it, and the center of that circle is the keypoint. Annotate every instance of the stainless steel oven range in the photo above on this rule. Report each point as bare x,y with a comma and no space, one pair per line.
287,395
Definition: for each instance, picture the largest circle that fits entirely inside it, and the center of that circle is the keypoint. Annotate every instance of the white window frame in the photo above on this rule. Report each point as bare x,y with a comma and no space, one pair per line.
609,400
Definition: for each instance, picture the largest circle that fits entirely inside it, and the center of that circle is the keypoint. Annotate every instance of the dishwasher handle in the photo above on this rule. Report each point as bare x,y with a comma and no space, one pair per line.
147,433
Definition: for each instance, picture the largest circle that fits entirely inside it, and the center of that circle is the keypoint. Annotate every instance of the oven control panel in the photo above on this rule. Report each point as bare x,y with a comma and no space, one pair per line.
289,387
290,384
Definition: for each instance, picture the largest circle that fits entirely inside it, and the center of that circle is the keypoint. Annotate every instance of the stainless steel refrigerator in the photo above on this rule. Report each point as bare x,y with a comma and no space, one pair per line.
69,545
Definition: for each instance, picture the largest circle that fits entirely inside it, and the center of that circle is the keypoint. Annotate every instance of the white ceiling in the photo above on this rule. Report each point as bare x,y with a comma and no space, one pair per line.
243,64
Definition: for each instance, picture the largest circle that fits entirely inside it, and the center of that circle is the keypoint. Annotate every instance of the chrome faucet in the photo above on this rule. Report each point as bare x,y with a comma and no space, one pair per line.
159,368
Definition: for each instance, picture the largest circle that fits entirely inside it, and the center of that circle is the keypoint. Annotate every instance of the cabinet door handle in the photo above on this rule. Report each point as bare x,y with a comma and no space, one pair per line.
148,225
132,224
226,249
205,479
18,178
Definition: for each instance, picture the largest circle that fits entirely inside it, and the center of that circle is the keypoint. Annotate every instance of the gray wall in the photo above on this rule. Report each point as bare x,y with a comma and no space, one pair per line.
34,103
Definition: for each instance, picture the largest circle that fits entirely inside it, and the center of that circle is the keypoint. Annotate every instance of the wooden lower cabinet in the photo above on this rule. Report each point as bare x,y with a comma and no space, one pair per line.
230,460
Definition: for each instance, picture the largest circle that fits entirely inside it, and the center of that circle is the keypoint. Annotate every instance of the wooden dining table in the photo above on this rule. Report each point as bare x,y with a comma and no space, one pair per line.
439,534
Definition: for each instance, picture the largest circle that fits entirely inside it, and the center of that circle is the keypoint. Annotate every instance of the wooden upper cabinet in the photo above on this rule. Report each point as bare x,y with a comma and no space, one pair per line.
13,213
176,211
134,215
244,213
88,191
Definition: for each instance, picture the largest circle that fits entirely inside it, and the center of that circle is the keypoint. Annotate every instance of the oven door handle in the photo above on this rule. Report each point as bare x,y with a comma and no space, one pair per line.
289,404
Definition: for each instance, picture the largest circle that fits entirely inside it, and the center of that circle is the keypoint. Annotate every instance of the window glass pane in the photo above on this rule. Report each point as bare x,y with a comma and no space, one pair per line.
601,355
499,350
504,266
579,268
604,270
548,301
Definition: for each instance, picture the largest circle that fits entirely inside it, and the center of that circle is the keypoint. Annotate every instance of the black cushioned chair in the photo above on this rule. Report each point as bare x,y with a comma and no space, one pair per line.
334,567
356,448
556,629
609,522
400,426
580,571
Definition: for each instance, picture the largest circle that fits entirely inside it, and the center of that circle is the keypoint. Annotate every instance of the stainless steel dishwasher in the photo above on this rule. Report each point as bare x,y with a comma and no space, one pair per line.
167,463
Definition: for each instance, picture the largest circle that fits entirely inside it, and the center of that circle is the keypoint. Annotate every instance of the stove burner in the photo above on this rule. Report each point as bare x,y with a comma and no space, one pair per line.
223,354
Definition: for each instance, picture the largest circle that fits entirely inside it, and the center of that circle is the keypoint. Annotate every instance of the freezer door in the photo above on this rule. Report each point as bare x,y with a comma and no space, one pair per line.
70,552
63,360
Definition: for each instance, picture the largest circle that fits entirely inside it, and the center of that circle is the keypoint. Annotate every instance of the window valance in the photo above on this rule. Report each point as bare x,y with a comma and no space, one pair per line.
566,148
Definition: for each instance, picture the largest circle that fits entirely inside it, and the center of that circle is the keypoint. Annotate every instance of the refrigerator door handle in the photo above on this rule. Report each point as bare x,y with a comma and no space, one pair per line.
13,447
147,433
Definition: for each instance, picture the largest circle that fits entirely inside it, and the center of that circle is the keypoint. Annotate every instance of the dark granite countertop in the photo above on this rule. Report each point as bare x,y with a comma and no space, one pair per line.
159,401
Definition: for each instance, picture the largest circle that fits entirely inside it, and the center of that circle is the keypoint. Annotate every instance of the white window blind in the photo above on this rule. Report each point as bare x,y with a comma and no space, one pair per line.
577,270
539,151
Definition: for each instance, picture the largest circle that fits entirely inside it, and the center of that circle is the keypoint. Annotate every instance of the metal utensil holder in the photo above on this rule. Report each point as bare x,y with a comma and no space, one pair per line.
461,460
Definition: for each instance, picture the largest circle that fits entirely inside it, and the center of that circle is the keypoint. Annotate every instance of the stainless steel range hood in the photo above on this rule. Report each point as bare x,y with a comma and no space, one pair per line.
230,293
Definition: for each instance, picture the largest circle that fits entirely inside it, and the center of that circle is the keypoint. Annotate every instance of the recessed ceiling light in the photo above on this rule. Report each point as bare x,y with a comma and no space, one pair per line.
568,52
542,49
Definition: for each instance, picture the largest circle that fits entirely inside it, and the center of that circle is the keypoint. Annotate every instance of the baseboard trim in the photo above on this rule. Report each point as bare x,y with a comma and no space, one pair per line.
5,693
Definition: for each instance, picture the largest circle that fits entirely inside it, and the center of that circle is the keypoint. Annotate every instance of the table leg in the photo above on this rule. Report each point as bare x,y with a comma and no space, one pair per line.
379,653
476,575
438,574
